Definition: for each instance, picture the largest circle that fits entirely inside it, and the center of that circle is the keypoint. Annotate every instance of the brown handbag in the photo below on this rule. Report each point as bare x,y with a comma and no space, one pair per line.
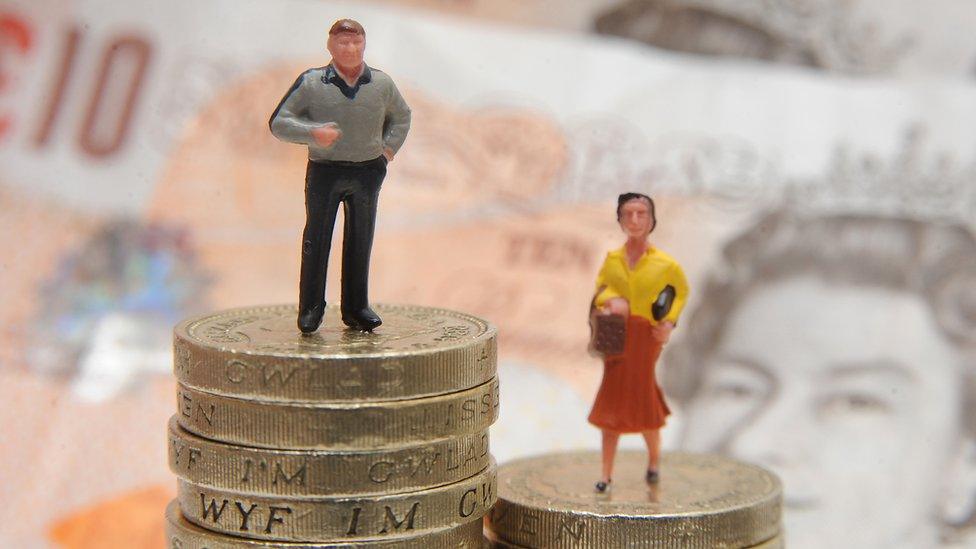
607,332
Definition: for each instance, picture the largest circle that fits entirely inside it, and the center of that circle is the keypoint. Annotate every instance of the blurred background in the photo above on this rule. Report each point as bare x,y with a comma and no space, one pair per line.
813,162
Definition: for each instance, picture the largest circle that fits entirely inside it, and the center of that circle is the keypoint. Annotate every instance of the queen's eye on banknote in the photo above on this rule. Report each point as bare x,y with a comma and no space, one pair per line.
811,165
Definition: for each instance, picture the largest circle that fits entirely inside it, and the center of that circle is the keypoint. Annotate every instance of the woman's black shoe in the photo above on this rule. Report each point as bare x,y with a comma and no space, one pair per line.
602,486
652,476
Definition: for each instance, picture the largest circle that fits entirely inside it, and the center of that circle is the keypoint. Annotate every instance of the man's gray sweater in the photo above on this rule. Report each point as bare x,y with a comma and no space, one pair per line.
371,115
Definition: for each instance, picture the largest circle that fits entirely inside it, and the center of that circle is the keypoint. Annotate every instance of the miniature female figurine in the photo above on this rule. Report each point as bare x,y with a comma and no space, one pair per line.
648,288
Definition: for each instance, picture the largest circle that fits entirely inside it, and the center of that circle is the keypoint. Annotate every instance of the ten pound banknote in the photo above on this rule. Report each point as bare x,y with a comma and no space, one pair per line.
139,185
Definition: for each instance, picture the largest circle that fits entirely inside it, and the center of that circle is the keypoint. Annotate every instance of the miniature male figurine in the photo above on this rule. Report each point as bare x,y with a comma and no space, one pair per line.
353,120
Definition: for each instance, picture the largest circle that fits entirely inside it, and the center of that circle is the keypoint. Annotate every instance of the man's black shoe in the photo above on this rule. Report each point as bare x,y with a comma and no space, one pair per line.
364,319
309,321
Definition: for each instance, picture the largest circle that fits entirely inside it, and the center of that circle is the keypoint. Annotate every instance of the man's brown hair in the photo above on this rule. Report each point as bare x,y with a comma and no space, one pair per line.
347,26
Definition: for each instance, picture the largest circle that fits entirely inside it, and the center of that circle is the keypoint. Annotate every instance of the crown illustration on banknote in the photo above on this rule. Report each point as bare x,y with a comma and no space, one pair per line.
828,34
915,183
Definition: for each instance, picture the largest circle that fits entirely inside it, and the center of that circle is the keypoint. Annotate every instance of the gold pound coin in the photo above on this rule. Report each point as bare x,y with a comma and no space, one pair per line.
339,519
701,501
304,473
775,543
337,426
182,534
258,352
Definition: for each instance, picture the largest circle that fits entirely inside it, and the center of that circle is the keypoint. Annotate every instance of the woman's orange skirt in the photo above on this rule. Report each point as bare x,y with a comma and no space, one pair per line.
629,400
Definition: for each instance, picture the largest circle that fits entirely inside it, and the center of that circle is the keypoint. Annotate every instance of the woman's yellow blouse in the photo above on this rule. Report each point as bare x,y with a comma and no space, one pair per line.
641,286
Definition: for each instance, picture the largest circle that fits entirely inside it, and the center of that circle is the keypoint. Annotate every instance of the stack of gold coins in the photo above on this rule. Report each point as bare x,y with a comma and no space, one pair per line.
335,438
700,501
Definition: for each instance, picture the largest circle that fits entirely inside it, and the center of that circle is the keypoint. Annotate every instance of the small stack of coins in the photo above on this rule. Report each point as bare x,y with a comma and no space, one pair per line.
700,502
339,437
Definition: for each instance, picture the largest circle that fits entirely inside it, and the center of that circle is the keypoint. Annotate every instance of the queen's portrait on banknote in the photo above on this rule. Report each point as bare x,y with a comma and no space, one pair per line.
353,120
837,350
647,287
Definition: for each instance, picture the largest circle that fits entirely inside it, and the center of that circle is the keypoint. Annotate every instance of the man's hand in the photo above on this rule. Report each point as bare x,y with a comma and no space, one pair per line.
388,153
326,136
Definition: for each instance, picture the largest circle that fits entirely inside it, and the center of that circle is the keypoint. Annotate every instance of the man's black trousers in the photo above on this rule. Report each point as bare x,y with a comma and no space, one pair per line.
356,185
